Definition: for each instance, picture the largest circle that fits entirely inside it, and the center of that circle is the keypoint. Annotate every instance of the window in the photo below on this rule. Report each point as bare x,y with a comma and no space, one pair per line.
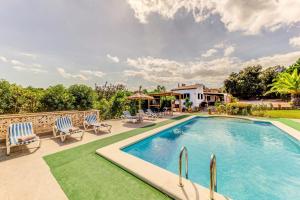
208,98
186,95
200,96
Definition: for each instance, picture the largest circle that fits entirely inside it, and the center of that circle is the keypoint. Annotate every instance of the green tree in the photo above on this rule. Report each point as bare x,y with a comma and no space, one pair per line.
245,84
119,103
294,66
17,98
84,96
287,83
57,98
5,97
32,99
108,90
266,78
114,107
231,84
159,88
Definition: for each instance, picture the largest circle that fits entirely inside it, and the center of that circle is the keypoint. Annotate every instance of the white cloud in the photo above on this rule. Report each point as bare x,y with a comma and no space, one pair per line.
113,58
67,75
213,72
229,50
277,59
30,55
295,41
37,65
29,69
249,17
16,62
19,68
98,74
3,59
209,53
82,75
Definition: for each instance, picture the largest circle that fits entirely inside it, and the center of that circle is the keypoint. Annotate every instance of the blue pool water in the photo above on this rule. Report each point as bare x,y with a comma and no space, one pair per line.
255,160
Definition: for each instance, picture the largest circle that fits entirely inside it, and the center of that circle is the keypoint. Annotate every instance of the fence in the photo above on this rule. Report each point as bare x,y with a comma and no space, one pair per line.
42,122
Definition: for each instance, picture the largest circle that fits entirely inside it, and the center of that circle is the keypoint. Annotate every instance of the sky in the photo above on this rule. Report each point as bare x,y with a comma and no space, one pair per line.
143,42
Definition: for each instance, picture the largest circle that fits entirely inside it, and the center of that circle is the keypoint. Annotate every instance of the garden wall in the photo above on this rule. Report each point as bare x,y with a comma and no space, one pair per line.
42,122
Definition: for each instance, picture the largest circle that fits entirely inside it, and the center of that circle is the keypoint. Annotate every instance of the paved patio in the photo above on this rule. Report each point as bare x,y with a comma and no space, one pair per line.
25,175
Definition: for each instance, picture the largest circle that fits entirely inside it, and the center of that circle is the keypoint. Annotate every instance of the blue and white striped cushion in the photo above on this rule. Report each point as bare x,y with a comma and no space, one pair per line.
17,130
91,119
64,124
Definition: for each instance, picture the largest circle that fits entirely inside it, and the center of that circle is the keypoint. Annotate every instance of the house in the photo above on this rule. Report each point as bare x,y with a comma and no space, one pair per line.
199,95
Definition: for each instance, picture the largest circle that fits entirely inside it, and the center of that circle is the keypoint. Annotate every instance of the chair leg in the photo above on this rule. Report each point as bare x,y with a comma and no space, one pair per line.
8,150
62,137
82,135
40,143
85,126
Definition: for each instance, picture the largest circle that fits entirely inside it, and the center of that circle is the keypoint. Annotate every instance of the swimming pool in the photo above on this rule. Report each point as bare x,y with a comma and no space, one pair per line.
255,160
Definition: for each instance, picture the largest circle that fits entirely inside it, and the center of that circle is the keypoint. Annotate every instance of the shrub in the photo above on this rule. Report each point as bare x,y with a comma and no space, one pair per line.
84,96
32,100
114,107
221,109
209,109
57,98
188,104
238,108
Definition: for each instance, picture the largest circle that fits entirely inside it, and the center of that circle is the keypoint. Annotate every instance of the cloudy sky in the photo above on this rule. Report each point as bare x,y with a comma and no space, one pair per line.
143,42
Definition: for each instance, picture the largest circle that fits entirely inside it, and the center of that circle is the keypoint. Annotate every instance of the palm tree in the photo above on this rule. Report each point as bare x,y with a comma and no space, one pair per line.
287,83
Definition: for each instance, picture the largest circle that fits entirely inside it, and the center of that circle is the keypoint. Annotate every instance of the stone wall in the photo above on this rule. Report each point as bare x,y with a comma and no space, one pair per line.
42,122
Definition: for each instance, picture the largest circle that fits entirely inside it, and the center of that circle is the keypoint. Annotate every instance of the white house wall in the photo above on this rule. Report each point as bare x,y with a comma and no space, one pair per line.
193,96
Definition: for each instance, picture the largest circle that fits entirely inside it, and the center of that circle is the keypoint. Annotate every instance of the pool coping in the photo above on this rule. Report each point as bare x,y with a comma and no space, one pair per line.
160,178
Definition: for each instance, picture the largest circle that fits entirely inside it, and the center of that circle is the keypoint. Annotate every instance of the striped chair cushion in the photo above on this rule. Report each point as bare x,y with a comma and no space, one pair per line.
91,119
17,130
64,124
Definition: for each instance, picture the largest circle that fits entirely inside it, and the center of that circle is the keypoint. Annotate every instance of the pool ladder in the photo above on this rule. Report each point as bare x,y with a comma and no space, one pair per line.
212,171
212,176
183,150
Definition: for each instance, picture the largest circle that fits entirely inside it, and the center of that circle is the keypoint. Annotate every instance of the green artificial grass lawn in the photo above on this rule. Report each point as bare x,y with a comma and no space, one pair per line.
295,114
290,123
84,175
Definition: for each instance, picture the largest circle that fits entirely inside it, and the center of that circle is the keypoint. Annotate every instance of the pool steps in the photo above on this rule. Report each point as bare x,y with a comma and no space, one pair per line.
212,171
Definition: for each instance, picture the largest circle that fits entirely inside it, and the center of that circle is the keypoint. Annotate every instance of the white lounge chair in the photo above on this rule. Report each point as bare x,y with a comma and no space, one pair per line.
129,118
147,114
20,134
153,114
63,127
91,120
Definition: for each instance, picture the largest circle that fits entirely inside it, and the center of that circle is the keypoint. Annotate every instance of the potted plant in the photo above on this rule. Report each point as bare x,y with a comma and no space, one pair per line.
188,104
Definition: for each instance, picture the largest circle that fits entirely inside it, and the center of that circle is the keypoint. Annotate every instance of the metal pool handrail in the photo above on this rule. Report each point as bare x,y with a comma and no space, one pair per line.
213,176
183,150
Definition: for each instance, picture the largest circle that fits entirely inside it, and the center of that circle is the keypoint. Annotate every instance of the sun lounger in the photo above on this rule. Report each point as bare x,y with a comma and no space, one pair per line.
129,118
20,134
147,114
63,127
153,114
91,120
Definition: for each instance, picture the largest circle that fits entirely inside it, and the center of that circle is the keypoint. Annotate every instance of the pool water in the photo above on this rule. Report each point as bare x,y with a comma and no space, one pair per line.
255,160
